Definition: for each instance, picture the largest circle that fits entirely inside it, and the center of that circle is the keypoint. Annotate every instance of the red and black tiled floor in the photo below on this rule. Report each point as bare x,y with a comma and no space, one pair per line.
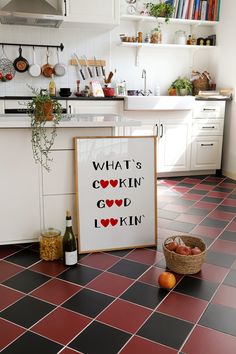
111,303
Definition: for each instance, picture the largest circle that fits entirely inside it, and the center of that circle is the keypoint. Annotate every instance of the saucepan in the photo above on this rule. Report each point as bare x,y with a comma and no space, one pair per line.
47,69
59,68
34,69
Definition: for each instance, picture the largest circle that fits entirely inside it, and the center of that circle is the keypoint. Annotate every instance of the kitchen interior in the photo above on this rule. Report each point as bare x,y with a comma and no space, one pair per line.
112,67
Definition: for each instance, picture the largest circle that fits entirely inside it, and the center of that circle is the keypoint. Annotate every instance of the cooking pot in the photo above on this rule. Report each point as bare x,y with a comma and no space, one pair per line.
47,69
21,64
34,69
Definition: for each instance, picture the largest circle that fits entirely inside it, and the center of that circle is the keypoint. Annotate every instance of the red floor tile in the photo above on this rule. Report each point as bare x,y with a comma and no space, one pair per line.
221,215
230,202
228,185
101,261
181,306
193,219
204,187
163,223
192,196
8,270
124,315
180,190
209,341
110,284
217,194
224,247
225,295
138,345
191,180
231,226
8,297
144,256
49,268
69,351
212,232
61,325
56,291
168,182
151,276
212,273
9,332
177,208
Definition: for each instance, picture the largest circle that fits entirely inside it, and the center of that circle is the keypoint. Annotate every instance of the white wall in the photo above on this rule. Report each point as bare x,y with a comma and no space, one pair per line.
162,65
226,77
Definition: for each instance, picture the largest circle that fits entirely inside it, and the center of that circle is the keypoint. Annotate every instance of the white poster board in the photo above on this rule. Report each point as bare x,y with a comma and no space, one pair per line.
115,192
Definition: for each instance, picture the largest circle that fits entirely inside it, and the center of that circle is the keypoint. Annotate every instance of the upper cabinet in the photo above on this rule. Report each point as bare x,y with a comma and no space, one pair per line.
91,12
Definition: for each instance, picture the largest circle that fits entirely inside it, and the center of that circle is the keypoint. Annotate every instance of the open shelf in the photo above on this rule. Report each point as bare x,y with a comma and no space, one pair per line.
171,46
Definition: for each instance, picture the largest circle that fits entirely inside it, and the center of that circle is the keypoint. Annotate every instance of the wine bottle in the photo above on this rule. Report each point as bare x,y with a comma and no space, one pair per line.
69,243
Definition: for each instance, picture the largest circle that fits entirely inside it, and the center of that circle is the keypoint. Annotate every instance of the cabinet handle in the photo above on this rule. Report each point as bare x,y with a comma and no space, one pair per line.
209,109
69,109
161,134
207,144
208,127
156,130
65,13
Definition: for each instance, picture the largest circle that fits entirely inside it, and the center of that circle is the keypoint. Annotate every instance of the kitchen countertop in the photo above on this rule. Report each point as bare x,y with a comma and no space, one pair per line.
70,121
73,98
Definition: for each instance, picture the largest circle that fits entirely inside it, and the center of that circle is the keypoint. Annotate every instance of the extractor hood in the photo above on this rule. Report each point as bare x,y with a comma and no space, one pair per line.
44,13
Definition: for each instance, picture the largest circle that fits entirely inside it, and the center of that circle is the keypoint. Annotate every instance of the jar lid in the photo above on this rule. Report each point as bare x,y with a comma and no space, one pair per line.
51,232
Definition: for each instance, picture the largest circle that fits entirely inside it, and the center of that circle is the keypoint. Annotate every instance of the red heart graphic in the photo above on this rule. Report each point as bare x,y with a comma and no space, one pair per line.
113,182
109,202
113,221
103,183
105,222
118,202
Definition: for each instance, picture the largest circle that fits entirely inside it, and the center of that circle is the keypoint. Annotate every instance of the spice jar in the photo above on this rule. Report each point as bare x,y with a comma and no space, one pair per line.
180,37
50,244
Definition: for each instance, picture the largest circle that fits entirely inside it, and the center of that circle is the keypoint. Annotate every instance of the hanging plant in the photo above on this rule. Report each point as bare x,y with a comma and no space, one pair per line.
162,9
41,109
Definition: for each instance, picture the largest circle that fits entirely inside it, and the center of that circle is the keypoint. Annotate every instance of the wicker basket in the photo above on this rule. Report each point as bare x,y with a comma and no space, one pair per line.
200,84
182,264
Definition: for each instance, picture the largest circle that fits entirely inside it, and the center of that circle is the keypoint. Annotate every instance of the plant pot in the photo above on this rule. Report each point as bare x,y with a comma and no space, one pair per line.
183,92
44,111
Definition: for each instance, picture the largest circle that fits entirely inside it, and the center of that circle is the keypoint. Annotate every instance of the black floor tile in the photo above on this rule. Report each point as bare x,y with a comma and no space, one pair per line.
231,278
166,330
26,281
88,302
180,226
208,240
198,191
31,343
185,184
221,318
27,311
144,294
207,181
24,258
99,338
229,180
197,211
220,259
184,202
211,200
227,208
120,253
166,214
80,274
232,196
195,287
228,235
222,189
214,223
128,268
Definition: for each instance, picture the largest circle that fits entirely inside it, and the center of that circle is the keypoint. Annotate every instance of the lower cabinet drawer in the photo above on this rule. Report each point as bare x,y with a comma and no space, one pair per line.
206,153
209,109
207,127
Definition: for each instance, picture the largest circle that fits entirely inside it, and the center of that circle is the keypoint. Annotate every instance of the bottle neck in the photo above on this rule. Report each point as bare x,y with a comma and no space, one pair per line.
69,223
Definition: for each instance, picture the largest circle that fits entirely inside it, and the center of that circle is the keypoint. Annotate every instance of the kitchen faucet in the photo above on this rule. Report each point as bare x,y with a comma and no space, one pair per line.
144,92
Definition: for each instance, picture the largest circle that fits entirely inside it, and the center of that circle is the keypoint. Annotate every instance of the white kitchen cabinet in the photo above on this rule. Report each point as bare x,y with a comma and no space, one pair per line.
96,107
19,188
99,12
207,135
173,140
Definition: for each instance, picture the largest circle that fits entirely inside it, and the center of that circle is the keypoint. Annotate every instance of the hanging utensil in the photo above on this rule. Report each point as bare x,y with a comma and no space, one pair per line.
47,69
21,64
34,69
87,66
79,66
7,70
96,67
59,68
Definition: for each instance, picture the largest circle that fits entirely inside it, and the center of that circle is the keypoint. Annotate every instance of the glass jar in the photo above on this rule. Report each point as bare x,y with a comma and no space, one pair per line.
50,244
180,37
156,36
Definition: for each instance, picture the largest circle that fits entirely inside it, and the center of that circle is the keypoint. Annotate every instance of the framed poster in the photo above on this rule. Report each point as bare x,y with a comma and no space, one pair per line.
115,192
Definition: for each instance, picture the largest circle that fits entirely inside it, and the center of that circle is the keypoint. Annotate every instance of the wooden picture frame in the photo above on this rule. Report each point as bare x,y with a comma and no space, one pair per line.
116,192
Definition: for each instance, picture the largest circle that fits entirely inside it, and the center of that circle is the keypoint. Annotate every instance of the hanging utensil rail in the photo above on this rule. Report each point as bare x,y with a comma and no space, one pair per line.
61,46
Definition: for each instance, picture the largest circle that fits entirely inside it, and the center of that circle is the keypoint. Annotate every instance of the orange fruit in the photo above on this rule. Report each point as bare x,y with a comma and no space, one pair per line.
166,280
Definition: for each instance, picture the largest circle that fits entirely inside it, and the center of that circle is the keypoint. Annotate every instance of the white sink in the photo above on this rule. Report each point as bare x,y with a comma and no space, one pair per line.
166,103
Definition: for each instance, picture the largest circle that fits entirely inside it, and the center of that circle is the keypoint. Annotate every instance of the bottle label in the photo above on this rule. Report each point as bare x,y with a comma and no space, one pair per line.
69,223
71,258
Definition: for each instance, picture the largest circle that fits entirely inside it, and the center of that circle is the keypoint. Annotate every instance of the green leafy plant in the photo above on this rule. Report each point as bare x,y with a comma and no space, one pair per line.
182,83
41,109
162,9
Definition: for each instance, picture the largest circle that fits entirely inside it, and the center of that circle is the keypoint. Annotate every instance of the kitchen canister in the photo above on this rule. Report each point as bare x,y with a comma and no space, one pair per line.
180,37
50,244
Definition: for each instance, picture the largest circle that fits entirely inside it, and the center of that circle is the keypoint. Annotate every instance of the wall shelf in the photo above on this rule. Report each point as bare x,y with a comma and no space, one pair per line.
179,21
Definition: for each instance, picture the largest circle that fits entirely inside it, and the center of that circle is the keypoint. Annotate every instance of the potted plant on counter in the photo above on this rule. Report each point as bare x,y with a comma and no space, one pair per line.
182,85
41,109
162,9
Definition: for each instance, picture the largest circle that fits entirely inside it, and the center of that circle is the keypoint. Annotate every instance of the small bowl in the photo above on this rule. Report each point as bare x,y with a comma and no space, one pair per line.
65,93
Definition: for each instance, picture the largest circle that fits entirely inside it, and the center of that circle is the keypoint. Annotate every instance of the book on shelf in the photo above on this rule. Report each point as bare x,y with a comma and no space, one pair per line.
185,9
190,12
196,10
203,10
180,8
